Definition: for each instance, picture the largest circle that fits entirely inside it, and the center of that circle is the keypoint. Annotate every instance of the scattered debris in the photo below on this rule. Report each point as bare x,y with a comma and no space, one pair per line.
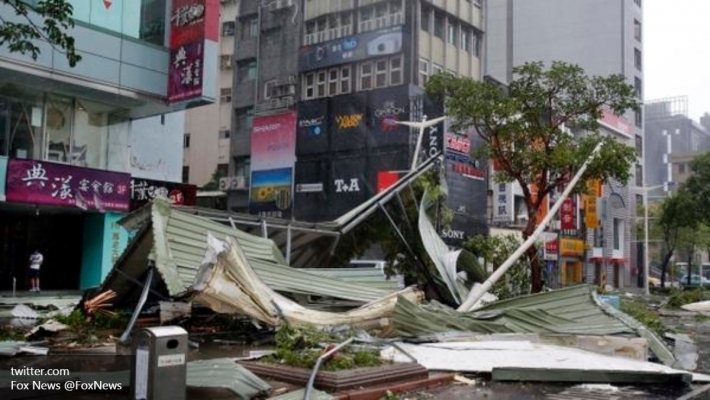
51,326
685,351
300,395
100,303
525,361
23,311
700,306
10,349
592,387
227,284
171,311
464,380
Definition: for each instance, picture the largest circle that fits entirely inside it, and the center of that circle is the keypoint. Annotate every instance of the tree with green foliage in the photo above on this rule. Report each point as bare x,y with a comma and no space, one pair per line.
691,240
676,213
526,127
699,184
21,33
495,250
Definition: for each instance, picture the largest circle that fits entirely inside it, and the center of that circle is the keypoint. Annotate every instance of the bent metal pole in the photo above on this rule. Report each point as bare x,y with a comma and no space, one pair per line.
475,294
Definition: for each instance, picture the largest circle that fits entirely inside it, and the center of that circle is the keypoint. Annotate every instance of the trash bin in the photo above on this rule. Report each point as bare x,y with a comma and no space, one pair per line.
159,370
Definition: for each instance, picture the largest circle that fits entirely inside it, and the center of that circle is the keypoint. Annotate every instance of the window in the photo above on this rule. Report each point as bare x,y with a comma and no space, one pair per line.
244,118
242,166
269,88
254,27
224,134
365,76
333,81
309,86
639,146
186,141
681,168
423,71
225,61
380,73
321,83
463,43
439,22
618,227
476,45
426,19
185,174
637,30
228,28
247,71
639,200
638,2
225,95
639,118
639,175
436,69
638,59
451,37
638,87
345,79
396,76
250,28
223,169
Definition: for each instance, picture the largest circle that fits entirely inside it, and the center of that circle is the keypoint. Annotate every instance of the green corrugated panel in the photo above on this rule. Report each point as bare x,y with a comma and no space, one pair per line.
565,311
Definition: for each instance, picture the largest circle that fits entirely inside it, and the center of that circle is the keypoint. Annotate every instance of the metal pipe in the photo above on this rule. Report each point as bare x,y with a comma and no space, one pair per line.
264,229
475,294
420,136
288,245
311,380
139,306
646,264
14,286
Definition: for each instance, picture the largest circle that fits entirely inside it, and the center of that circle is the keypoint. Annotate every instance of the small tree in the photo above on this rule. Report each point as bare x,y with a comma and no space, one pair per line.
690,241
523,129
21,37
213,184
677,212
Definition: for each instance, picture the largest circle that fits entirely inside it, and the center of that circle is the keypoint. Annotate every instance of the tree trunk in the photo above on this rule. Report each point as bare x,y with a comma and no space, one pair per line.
664,267
531,254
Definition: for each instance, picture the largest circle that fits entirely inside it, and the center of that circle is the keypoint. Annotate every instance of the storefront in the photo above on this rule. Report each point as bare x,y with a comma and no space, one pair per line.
68,214
571,261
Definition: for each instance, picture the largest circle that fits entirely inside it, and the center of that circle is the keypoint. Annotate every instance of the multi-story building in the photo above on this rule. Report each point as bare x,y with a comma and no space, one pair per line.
671,134
207,128
604,37
330,80
81,146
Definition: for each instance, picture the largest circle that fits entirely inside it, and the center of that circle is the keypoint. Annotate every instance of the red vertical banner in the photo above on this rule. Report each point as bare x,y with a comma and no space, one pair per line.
567,214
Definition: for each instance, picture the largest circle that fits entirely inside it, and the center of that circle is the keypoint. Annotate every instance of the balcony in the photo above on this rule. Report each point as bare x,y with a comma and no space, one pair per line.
383,22
328,34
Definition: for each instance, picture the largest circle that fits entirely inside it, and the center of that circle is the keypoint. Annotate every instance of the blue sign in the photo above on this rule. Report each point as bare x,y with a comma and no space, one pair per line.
353,48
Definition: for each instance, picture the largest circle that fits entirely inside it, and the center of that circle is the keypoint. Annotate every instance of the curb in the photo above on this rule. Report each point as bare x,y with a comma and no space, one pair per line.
377,393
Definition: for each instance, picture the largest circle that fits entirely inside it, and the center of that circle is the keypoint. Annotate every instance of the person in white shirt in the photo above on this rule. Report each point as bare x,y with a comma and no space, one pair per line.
36,260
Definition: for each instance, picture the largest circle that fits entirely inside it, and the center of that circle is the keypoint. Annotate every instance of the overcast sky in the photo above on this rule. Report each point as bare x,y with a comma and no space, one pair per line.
677,60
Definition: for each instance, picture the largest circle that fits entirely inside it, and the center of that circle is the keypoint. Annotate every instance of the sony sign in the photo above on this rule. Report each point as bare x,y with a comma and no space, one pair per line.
453,234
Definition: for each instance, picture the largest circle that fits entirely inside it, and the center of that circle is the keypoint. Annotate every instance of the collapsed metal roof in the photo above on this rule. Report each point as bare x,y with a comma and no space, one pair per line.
566,311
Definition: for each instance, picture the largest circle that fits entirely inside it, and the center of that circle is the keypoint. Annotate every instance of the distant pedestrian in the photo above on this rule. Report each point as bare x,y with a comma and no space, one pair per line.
36,260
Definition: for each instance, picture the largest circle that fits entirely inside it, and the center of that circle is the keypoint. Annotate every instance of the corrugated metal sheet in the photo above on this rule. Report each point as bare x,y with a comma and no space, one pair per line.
569,311
179,245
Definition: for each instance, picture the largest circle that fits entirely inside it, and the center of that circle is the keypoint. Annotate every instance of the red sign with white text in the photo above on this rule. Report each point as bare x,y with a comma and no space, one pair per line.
617,123
567,214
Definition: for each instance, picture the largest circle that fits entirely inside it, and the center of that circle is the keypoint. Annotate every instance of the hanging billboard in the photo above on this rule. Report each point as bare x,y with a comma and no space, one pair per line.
313,130
273,156
348,122
387,107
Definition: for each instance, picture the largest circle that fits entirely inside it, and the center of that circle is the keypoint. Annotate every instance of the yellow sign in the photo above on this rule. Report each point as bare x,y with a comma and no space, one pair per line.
571,247
348,121
591,219
595,187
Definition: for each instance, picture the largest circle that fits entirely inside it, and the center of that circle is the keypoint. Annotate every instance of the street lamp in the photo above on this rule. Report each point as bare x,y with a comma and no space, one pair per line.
646,266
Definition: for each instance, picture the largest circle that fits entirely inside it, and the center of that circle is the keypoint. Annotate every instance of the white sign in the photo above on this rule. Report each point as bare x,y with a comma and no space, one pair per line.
171,360
502,202
141,389
342,186
309,187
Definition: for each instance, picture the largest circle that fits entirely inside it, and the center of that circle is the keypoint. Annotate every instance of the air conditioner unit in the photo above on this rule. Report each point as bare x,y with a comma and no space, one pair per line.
291,79
291,89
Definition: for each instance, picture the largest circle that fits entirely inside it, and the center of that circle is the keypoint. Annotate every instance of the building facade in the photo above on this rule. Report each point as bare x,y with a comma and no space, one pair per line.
81,146
604,37
330,80
207,128
672,135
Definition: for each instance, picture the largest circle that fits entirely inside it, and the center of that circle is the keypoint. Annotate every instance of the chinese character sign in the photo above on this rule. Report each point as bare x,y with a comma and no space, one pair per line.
39,182
145,190
568,214
193,24
502,202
